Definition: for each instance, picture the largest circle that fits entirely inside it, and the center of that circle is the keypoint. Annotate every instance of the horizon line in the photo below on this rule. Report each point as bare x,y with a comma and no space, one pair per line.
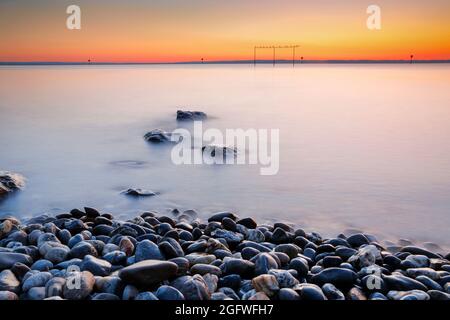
280,61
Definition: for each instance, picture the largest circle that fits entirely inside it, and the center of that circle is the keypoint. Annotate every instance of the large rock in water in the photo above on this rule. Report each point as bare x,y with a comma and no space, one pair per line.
147,273
10,182
190,115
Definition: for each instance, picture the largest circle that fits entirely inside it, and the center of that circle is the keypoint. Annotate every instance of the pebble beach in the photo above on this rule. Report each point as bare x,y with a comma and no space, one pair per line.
88,255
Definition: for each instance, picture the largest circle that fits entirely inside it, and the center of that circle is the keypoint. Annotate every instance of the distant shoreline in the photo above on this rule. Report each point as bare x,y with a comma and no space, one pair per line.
55,63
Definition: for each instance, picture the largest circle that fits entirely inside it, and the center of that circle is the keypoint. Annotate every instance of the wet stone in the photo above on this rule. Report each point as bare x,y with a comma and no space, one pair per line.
332,293
82,249
408,295
248,223
203,269
192,288
130,292
366,256
38,279
109,284
127,246
105,296
310,292
356,294
266,283
147,250
300,265
148,273
357,240
264,262
415,261
211,281
97,267
290,249
169,293
170,248
147,295
78,285
284,278
9,282
237,266
218,217
8,259
288,294
340,277
42,265
54,287
428,272
420,251
401,283
36,293
8,296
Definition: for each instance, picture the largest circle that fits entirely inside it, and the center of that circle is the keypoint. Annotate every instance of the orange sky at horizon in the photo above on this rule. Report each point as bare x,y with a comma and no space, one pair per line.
182,30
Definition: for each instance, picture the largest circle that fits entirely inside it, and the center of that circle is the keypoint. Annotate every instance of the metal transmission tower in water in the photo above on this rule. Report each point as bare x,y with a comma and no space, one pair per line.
274,48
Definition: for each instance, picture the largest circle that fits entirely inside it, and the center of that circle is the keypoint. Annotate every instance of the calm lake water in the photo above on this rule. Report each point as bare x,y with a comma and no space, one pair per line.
361,146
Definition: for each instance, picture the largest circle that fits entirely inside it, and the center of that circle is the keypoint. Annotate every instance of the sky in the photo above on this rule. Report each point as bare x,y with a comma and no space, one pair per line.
188,30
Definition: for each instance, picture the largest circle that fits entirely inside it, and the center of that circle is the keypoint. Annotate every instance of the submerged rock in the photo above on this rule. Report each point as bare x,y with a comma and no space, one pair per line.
160,136
190,115
219,152
138,192
10,182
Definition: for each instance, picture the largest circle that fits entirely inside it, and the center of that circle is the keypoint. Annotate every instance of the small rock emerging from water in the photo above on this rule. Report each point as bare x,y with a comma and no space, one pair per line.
190,115
158,136
10,182
138,192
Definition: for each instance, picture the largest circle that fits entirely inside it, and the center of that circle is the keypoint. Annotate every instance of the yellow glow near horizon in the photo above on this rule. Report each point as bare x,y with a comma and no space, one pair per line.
164,31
